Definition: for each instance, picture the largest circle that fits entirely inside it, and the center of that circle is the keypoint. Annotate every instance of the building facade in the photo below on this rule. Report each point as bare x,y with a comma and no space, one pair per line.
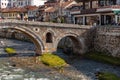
20,3
97,12
4,3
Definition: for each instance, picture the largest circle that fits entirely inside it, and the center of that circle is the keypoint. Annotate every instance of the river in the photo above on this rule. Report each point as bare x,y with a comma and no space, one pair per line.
22,66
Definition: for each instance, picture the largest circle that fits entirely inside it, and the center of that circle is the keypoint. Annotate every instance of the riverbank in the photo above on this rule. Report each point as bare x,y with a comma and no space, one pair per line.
24,66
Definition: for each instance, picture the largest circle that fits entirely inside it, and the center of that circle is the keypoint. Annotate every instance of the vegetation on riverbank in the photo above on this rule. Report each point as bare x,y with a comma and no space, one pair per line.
107,76
53,60
103,58
10,51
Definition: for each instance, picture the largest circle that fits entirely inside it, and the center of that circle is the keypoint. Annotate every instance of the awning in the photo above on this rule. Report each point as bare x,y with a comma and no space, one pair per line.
116,12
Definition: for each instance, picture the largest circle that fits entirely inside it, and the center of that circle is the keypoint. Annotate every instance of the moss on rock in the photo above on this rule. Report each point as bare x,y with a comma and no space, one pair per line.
53,60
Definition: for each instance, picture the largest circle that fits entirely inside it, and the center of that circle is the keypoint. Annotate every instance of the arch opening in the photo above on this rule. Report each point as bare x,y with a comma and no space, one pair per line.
70,45
49,38
31,36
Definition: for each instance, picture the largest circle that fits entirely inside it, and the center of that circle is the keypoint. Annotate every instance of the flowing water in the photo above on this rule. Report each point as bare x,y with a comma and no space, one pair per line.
77,69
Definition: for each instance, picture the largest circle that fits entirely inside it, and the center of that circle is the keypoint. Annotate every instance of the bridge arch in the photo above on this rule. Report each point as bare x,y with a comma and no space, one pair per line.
78,43
34,38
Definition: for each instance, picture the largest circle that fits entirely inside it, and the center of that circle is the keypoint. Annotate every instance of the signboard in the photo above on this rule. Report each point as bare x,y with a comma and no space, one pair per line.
116,12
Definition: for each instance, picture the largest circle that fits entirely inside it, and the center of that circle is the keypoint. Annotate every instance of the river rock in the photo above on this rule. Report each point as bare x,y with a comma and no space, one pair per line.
18,70
7,72
12,77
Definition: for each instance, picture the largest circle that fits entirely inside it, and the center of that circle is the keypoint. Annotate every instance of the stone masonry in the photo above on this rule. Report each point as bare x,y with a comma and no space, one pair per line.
107,39
84,38
37,32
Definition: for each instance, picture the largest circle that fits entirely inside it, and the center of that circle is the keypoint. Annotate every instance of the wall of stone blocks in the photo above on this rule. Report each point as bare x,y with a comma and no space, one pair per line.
107,39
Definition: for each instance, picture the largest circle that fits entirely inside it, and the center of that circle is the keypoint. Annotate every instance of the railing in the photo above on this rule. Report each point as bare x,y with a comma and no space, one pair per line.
86,11
109,6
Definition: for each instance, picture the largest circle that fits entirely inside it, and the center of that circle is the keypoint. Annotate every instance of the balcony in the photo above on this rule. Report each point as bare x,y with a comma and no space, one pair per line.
108,8
75,12
88,11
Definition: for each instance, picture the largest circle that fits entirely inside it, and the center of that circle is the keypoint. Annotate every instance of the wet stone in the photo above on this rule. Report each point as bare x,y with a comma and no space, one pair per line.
18,70
13,65
12,77
25,68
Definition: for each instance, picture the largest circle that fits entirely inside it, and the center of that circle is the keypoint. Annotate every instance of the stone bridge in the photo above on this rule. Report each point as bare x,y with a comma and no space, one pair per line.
46,35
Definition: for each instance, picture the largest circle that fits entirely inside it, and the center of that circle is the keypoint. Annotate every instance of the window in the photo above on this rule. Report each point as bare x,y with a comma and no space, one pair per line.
29,3
48,37
26,3
94,4
106,2
21,3
9,4
87,5
13,14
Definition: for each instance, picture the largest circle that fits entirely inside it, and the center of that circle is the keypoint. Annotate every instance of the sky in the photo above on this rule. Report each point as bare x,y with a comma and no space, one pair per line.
39,2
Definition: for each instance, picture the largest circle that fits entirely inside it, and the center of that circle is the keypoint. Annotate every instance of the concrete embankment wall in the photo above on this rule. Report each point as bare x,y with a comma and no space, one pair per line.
107,39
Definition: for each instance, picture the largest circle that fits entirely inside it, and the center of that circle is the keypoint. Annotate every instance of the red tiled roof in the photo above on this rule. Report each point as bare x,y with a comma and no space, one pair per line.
14,10
73,5
65,4
31,7
19,9
50,9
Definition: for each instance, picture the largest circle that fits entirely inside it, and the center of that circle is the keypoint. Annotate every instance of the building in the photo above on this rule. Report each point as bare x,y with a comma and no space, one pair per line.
97,12
64,10
57,11
32,12
4,3
14,13
37,2
20,3
74,10
51,14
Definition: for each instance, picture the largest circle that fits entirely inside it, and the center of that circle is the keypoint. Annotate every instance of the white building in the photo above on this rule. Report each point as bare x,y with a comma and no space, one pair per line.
38,2
4,3
118,2
20,3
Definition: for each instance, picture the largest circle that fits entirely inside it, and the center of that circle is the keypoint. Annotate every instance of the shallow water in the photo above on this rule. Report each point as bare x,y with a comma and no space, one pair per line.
77,69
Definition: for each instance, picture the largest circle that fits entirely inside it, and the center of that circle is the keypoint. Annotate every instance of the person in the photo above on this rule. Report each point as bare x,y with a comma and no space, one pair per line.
2,43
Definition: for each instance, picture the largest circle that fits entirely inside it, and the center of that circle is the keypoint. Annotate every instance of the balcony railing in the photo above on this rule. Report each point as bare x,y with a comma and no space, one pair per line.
108,8
86,11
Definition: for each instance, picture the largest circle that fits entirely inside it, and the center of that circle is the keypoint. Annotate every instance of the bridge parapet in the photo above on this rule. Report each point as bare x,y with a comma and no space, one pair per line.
44,24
